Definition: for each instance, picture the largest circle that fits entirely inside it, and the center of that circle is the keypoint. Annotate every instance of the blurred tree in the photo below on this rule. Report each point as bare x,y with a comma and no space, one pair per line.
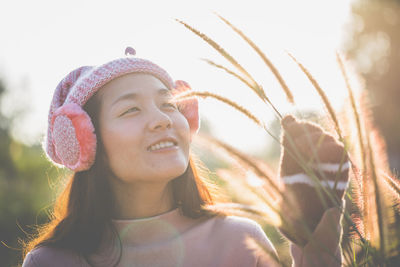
24,188
374,46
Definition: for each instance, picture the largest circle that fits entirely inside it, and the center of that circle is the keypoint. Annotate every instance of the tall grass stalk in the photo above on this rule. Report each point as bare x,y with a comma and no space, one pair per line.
231,72
266,60
323,96
254,85
394,185
355,111
377,201
243,159
363,199
226,55
248,114
242,188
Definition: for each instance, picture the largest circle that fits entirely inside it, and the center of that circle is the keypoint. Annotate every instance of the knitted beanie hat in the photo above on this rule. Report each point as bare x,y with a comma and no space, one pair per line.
313,165
71,137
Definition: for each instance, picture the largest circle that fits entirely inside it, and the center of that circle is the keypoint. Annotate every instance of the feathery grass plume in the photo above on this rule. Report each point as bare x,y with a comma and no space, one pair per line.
387,196
391,201
321,93
357,198
378,201
369,214
212,63
266,60
243,159
190,94
254,85
359,223
376,147
363,198
355,111
394,185
226,55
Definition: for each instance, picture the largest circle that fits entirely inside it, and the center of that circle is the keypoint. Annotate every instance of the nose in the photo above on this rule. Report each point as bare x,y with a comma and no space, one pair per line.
159,121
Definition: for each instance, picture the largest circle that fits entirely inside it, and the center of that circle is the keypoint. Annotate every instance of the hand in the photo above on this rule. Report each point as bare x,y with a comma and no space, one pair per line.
314,169
323,248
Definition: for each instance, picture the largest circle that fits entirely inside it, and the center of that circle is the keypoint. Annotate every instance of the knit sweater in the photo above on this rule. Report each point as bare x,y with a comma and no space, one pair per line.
171,239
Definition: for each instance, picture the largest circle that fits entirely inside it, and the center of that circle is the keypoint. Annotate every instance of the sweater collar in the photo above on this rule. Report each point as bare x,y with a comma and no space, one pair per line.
155,229
152,218
143,234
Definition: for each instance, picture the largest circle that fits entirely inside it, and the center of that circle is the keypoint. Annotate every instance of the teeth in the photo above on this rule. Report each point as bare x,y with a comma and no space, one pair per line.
161,145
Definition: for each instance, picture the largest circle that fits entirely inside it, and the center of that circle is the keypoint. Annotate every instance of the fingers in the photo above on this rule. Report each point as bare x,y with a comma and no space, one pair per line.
327,232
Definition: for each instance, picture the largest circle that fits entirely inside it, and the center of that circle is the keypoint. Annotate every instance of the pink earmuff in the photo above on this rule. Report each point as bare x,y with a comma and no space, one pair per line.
189,108
74,140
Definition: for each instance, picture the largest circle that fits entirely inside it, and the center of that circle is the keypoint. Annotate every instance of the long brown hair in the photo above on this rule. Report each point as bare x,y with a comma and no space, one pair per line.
83,211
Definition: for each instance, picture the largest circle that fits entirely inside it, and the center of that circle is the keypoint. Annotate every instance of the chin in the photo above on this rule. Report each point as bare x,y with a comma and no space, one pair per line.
172,171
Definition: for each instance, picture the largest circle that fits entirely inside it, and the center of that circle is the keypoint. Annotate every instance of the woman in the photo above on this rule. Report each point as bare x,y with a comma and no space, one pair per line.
136,198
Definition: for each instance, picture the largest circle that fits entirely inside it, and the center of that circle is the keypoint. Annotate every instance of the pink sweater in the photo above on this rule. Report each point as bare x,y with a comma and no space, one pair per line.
171,239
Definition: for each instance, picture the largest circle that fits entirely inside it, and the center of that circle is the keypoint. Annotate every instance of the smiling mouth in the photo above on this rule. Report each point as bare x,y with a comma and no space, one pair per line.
161,145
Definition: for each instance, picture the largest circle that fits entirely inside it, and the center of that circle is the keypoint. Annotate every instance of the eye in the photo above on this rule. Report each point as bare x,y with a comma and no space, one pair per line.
133,109
170,105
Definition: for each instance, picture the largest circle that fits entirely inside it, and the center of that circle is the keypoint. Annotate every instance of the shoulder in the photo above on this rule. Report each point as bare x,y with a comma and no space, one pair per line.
243,229
248,243
45,256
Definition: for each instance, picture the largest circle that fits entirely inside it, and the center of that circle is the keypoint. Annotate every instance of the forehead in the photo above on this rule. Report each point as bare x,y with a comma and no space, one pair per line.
133,83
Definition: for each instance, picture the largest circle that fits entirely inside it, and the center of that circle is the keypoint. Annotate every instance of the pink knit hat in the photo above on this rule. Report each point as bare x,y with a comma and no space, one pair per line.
71,140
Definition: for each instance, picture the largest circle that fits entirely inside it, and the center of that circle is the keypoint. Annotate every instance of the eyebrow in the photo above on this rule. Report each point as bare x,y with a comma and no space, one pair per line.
132,96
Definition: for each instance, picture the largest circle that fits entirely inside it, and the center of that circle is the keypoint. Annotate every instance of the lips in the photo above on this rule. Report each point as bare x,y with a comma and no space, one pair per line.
163,142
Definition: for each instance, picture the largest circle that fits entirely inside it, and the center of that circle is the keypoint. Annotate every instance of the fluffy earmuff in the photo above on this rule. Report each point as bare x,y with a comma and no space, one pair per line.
188,107
74,140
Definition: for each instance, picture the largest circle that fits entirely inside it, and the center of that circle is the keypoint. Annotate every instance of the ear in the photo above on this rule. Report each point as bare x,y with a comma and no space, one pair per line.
188,107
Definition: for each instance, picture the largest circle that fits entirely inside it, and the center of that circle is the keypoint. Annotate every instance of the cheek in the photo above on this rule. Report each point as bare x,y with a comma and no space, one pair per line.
121,143
183,129
185,138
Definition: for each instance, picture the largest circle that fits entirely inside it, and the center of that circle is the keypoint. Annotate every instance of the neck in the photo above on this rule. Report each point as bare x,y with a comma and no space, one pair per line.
141,200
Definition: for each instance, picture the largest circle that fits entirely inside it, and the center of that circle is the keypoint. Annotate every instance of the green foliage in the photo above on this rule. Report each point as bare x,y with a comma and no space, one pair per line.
25,177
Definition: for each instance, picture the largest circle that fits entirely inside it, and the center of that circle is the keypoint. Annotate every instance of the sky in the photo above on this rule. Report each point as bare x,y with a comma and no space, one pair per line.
43,40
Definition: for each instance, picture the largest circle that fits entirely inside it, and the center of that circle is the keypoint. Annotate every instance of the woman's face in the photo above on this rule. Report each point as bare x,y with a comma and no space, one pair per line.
145,137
